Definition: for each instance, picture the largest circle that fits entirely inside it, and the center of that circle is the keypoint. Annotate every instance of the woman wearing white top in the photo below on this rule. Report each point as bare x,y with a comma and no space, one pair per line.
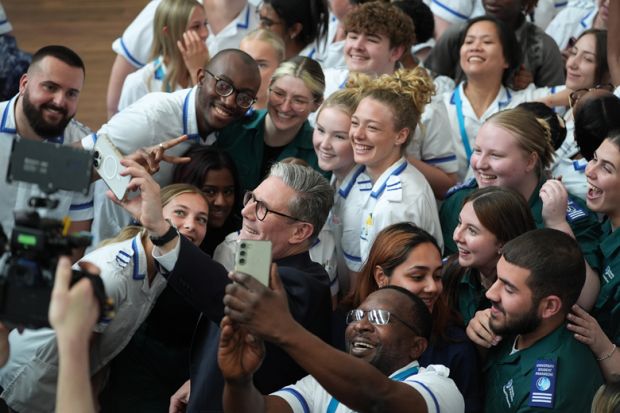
179,50
388,189
131,280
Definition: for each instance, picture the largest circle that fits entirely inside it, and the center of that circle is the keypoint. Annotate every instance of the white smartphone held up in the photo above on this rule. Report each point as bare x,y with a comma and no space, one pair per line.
253,257
107,162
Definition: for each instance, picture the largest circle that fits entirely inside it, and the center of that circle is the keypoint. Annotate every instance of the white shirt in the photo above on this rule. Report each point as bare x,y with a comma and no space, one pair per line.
432,383
5,24
29,377
573,173
328,53
147,79
153,119
15,196
137,40
230,36
322,251
400,194
576,18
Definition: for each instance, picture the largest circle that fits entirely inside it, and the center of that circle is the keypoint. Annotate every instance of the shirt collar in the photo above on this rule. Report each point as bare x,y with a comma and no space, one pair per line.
8,123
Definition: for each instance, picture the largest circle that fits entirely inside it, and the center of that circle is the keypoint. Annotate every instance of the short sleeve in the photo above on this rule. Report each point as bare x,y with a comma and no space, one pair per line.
136,42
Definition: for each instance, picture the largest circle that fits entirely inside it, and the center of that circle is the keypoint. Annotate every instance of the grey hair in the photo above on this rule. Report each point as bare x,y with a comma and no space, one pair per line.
315,196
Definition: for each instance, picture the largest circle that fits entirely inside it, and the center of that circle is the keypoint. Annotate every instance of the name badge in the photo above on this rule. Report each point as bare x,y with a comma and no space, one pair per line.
542,390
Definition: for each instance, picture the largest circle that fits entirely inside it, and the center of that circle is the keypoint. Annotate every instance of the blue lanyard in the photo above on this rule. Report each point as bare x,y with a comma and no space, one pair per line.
459,115
333,403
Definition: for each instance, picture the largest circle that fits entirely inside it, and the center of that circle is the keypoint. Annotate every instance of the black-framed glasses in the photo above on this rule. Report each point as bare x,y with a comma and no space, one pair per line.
578,94
224,88
378,317
261,208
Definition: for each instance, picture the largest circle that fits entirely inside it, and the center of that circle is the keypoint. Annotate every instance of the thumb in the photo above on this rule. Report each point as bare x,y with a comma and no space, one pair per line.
275,282
63,274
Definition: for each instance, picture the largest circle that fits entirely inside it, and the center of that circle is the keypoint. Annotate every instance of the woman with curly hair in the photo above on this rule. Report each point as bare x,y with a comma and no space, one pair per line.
388,189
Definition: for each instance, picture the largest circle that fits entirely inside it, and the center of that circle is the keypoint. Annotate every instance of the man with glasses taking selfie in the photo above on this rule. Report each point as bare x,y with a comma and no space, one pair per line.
226,89
384,338
288,208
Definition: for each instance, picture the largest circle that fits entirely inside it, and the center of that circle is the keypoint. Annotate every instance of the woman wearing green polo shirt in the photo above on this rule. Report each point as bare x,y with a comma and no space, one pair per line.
282,130
603,174
513,150
490,217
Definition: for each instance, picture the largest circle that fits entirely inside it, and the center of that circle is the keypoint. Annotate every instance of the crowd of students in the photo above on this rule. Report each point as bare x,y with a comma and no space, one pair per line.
443,210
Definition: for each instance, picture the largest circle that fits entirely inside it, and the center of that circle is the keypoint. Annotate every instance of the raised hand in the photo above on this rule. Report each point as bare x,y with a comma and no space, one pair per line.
240,353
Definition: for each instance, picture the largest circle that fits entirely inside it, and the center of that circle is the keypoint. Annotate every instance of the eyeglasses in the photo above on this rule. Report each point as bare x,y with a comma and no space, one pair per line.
278,97
376,317
578,94
261,208
224,88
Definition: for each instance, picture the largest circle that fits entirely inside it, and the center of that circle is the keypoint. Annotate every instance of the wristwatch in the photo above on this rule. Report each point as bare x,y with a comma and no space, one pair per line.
167,237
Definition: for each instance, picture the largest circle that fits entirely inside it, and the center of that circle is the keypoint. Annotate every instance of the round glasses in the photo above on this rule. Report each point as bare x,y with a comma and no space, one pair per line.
377,317
224,88
261,208
278,97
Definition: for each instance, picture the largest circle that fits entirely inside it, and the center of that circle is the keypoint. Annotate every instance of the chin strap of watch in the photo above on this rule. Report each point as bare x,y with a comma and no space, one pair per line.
167,237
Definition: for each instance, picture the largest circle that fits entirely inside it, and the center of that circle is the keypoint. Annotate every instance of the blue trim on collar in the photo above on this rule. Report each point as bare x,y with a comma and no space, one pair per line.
5,116
583,21
449,10
245,24
94,135
129,55
312,53
159,69
562,4
396,172
77,207
579,166
506,102
344,192
136,261
185,106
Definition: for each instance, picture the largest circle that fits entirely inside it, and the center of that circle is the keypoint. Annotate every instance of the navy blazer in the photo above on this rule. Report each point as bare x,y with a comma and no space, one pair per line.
202,281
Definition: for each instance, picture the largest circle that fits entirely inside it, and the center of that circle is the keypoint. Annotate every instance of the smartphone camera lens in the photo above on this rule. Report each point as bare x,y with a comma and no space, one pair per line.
242,261
242,245
242,253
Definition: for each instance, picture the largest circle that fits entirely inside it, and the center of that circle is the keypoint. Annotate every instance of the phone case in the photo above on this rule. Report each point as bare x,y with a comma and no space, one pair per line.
253,257
107,162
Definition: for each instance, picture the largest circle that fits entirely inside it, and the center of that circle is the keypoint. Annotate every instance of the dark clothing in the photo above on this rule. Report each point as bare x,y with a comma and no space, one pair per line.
309,299
459,354
13,65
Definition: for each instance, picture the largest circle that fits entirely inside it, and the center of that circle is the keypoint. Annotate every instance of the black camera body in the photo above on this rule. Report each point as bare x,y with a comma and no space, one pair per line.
29,258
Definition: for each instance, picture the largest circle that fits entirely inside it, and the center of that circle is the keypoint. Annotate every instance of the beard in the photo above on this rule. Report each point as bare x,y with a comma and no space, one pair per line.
38,123
524,324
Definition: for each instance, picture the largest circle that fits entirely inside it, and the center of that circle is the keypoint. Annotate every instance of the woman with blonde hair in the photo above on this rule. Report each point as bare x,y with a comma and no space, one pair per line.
387,189
133,283
513,150
280,131
179,50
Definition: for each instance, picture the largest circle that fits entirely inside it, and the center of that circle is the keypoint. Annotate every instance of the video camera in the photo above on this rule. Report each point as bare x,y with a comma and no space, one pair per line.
31,255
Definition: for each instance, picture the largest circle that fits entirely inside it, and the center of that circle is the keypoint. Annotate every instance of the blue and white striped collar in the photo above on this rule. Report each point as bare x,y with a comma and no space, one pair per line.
396,169
9,125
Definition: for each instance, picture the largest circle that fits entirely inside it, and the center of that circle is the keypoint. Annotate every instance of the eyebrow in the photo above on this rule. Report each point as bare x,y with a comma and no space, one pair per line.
188,209
52,83
508,283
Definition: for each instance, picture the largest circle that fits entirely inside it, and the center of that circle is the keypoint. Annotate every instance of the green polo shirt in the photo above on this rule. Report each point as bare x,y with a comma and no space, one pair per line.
510,378
582,221
471,296
607,307
244,141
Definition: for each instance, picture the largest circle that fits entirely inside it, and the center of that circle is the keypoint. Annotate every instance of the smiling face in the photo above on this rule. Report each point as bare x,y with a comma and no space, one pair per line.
267,59
214,111
581,63
420,273
189,213
370,53
513,310
497,159
603,175
482,52
290,103
376,142
331,141
50,92
219,188
387,347
477,246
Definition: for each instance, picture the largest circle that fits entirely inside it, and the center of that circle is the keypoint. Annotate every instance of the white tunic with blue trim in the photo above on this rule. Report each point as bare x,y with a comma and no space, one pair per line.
15,196
433,384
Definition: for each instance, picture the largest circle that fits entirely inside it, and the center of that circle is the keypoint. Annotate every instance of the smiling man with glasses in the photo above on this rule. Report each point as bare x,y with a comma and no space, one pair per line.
289,208
384,338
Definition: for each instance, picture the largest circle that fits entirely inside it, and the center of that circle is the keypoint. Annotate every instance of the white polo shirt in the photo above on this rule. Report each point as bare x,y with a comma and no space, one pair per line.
230,36
432,382
137,40
5,24
15,196
576,18
29,377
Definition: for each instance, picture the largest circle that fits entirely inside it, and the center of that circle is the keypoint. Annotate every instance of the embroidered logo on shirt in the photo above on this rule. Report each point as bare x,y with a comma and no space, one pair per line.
608,275
509,393
574,211
367,226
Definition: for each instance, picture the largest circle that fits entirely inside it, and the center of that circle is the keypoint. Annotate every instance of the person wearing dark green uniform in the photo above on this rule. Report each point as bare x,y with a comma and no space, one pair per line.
280,131
489,218
538,366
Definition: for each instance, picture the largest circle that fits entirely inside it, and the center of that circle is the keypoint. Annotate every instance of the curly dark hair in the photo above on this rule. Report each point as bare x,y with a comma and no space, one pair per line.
384,19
